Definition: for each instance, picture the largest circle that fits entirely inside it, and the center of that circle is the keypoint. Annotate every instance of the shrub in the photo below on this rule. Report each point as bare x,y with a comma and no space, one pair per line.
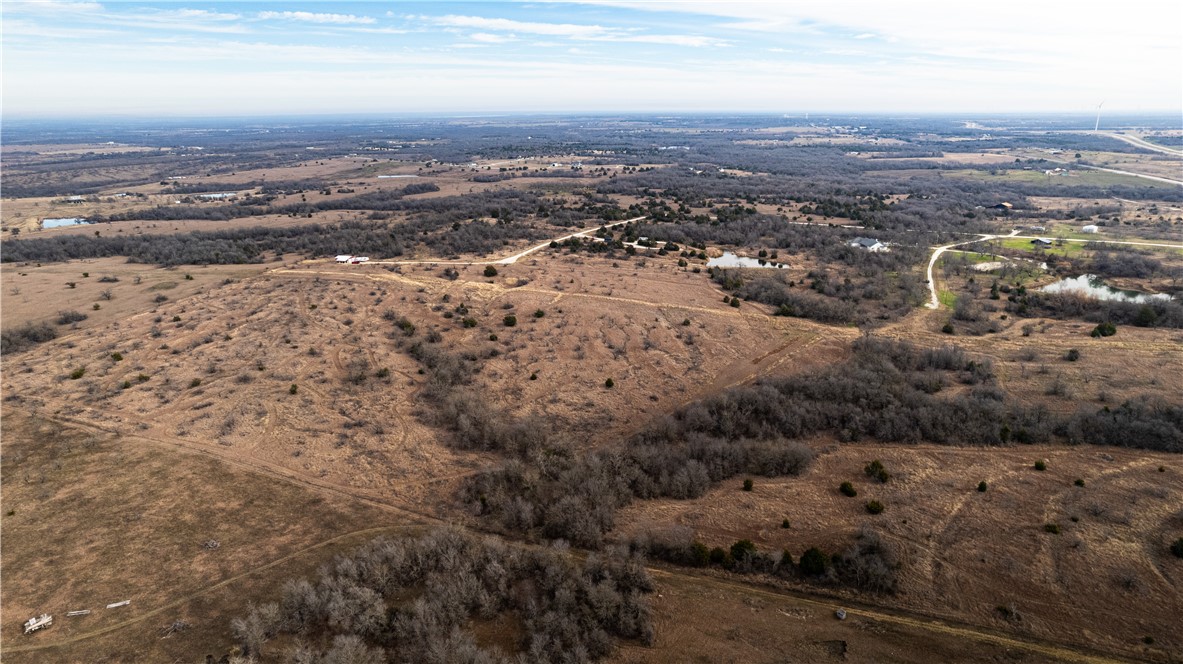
116,357
982,486
71,284
163,298
26,336
874,507
469,322
142,378
1177,548
293,389
1072,355
126,385
78,373
1041,465
718,556
195,382
510,320
785,524
609,383
492,337
848,490
1105,329
539,314
947,328
875,470
747,485
742,549
534,375
814,562
67,317
1079,482
490,271
96,306
735,302
1053,528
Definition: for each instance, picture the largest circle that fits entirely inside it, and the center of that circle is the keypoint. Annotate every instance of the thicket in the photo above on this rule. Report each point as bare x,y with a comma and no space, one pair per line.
419,600
1143,422
1153,313
247,245
26,336
869,564
886,391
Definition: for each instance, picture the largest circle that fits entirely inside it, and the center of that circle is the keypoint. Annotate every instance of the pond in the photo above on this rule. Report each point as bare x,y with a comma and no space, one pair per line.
385,177
729,259
1092,286
63,221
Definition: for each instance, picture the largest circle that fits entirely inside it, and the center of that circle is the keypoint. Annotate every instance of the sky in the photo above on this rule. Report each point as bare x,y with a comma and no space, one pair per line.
145,59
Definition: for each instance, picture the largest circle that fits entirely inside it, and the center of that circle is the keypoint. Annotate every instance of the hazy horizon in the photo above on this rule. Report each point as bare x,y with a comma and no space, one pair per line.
269,59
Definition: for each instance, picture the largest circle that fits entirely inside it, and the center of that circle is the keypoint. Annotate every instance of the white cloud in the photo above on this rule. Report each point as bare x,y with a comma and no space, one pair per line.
53,6
489,38
312,17
508,25
570,30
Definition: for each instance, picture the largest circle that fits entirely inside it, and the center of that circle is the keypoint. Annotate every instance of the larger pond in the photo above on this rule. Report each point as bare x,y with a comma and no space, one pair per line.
1092,286
729,259
63,221
391,177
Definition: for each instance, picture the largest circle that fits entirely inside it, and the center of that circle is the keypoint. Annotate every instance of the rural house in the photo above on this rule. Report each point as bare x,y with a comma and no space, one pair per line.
870,244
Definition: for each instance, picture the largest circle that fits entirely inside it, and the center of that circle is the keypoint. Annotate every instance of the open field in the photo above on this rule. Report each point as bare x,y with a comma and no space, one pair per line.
1106,580
93,519
292,408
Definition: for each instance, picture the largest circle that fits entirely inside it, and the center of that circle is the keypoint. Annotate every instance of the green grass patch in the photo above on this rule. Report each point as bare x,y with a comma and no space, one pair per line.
946,298
1024,244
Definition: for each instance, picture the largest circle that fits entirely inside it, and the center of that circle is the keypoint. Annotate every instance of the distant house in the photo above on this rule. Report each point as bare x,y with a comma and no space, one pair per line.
1091,228
344,258
870,244
357,260
1002,207
1041,242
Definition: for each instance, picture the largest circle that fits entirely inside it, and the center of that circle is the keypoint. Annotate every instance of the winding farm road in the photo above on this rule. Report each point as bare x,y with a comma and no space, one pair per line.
510,260
933,301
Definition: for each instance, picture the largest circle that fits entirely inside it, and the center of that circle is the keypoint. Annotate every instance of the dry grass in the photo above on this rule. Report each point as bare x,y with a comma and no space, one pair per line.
1106,581
92,519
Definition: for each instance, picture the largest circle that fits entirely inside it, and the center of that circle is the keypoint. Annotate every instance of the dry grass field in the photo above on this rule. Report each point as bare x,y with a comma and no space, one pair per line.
207,378
279,409
1106,580
93,519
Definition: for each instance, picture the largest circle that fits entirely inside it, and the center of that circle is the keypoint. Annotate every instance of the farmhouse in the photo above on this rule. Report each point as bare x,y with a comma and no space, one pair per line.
344,258
1041,242
1002,207
870,244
